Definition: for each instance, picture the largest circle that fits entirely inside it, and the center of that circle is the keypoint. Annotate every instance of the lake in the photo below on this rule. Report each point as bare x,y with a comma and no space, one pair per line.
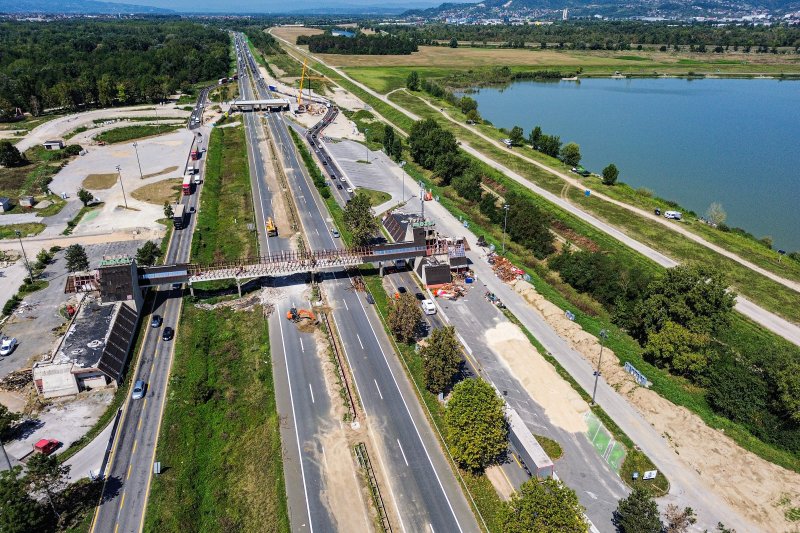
736,142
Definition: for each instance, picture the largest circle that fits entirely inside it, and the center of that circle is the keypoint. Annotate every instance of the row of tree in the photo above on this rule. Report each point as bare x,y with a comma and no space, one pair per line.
72,63
361,43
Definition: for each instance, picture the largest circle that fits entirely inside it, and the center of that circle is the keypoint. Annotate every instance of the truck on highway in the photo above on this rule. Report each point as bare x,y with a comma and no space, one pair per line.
186,187
195,154
272,88
178,215
272,229
530,453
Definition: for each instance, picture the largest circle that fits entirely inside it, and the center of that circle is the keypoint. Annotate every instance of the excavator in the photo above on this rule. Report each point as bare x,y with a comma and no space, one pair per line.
272,229
296,315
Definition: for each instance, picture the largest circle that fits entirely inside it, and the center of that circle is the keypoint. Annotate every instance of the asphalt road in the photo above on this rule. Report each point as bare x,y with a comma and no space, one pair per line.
421,483
127,482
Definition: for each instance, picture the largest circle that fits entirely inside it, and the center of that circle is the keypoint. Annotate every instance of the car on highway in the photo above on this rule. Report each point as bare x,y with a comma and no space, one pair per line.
339,186
7,345
168,334
428,307
156,322
350,190
138,390
324,162
335,232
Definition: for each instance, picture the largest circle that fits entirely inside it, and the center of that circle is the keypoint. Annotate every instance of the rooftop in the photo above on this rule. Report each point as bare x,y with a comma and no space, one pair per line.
86,338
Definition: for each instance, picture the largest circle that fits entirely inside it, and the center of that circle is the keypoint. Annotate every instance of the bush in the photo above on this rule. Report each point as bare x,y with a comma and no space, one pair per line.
11,304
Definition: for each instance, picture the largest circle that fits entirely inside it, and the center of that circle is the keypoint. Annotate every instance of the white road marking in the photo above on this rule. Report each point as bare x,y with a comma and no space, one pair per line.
324,457
402,452
312,393
301,346
345,305
359,341
379,389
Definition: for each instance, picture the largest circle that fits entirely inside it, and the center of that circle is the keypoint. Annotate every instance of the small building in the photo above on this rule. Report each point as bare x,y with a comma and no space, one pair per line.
5,204
27,201
54,144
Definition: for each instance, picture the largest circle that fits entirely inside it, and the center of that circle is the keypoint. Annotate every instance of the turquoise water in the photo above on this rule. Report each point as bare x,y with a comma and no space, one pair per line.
736,142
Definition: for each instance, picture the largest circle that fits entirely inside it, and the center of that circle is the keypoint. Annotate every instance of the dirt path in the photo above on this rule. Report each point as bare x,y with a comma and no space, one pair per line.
753,486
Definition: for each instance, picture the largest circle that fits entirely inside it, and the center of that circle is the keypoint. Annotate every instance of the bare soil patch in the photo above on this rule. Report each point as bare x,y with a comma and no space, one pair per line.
758,489
290,33
98,182
161,172
158,192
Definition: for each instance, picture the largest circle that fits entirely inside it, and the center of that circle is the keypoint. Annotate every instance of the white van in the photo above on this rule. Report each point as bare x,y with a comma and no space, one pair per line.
428,307
674,215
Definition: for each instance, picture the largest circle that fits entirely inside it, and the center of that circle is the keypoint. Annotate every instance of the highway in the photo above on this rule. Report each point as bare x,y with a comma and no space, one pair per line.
127,481
422,486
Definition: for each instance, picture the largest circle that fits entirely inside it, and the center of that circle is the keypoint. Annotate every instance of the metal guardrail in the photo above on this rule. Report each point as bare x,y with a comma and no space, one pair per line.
337,352
362,456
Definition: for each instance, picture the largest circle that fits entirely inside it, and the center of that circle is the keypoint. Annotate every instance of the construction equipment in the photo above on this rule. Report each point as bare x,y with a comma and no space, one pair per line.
272,229
296,315
303,77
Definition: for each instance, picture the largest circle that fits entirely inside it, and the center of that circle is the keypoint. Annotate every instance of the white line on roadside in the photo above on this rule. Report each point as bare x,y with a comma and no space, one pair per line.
379,389
401,451
345,305
301,346
359,341
312,393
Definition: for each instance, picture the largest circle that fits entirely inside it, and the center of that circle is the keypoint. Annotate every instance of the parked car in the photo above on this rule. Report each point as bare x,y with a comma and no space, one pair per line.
7,345
168,334
156,322
138,390
46,446
674,215
428,307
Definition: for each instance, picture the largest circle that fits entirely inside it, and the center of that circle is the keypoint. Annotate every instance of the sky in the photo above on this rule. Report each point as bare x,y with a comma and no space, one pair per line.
271,6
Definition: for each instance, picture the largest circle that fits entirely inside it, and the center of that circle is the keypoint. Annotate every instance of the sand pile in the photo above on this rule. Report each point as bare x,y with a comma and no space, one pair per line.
563,406
758,489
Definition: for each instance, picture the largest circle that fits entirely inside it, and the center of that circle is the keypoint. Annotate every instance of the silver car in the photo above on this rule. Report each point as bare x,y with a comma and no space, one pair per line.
138,390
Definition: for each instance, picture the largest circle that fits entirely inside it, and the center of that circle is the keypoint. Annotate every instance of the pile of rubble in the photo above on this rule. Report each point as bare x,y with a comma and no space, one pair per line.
17,380
248,303
451,291
505,269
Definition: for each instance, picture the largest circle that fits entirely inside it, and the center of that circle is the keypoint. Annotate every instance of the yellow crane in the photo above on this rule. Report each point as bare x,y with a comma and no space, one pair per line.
303,77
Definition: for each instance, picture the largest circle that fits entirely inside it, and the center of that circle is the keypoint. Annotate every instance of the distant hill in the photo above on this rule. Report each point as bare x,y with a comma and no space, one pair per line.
76,7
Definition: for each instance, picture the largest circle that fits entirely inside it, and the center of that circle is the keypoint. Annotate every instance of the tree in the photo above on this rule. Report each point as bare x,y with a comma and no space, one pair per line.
77,260
404,317
535,137
550,145
441,359
85,196
10,156
516,135
473,115
168,212
488,207
571,154
8,419
638,513
610,174
788,383
453,43
477,430
46,474
716,214
20,513
678,349
528,225
148,253
678,521
467,104
544,506
359,219
43,259
412,81
468,185
388,138
397,148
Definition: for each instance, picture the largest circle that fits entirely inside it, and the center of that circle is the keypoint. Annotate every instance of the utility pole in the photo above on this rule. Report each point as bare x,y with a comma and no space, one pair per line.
505,223
119,171
366,141
136,149
24,255
402,167
422,199
7,464
603,336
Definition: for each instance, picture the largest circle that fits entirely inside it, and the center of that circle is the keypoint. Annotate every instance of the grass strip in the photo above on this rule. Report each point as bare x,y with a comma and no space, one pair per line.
79,216
222,232
129,133
220,439
26,229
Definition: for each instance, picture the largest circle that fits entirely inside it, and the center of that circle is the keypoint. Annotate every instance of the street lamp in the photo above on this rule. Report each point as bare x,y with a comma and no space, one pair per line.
402,167
603,336
505,223
136,149
119,171
24,255
366,141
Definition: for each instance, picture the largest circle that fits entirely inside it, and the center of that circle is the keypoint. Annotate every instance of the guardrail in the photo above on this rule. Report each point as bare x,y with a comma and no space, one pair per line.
362,456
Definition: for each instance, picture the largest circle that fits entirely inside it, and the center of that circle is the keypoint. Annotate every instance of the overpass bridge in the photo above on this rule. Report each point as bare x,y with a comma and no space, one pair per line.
269,104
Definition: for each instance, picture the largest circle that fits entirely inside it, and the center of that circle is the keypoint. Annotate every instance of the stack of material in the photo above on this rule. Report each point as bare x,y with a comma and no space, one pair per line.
17,380
505,270
451,291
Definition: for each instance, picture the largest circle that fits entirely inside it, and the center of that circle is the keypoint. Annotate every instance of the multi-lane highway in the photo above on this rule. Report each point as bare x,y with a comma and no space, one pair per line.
127,481
421,484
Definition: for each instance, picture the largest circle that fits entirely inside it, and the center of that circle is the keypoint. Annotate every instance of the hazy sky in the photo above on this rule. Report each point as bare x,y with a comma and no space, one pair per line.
271,6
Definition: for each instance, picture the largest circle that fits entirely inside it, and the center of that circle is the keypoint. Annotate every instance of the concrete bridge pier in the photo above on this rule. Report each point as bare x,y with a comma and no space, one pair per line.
191,290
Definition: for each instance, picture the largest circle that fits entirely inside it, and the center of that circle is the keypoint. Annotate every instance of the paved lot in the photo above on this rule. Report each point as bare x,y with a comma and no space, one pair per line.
34,320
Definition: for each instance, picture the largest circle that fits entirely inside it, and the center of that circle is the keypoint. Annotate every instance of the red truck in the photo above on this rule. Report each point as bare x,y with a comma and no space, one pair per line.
195,154
46,446
187,185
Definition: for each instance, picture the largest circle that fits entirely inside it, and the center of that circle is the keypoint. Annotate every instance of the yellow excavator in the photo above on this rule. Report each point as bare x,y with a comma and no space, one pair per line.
272,229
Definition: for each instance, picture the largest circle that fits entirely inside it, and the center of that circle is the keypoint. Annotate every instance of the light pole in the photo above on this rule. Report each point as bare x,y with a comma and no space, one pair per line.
119,171
505,223
24,255
366,141
136,149
603,336
402,167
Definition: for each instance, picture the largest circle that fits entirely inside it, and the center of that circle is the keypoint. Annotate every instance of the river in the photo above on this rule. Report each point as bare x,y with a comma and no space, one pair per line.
732,141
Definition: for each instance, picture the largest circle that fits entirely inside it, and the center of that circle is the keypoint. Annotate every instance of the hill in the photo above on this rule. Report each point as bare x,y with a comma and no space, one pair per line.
78,7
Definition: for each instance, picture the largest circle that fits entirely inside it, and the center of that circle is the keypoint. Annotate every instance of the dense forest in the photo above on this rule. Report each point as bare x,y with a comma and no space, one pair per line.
75,63
609,35
358,44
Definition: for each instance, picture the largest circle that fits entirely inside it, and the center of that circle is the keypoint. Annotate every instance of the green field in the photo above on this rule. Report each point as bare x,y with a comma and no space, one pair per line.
220,441
130,133
376,198
226,205
28,229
